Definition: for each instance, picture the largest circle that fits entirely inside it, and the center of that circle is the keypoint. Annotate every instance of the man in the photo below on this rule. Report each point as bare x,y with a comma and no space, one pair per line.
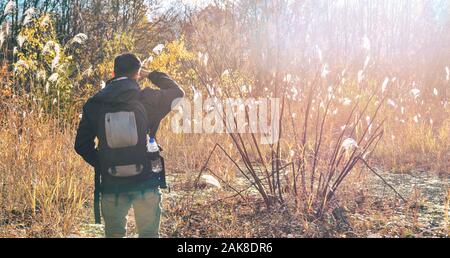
120,116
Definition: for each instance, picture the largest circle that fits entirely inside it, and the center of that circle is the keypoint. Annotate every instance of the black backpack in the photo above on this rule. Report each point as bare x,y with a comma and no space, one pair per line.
122,134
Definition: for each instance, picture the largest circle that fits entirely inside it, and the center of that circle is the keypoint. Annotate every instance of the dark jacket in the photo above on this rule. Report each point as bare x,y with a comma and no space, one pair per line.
156,102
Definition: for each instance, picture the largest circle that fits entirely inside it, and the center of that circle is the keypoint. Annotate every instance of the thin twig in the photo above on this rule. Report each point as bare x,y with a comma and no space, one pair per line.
378,175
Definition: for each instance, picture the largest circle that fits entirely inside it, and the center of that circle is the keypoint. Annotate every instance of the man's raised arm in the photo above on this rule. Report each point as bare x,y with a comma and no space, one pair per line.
159,102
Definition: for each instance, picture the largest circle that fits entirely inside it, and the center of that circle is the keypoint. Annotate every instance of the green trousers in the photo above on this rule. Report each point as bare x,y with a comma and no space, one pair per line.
147,212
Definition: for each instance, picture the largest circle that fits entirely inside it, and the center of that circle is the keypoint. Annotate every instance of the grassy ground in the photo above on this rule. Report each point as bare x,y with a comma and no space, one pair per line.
374,211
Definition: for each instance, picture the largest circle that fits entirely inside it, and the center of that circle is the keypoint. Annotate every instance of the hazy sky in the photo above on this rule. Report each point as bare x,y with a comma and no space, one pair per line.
441,8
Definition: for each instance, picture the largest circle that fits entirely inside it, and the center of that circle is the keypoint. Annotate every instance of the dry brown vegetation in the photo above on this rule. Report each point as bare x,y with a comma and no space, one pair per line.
357,119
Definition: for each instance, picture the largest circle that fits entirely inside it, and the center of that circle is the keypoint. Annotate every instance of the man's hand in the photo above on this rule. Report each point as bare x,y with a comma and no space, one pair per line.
144,74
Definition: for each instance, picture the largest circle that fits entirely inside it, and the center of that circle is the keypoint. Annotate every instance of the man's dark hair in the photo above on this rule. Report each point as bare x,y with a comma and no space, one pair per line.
126,64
